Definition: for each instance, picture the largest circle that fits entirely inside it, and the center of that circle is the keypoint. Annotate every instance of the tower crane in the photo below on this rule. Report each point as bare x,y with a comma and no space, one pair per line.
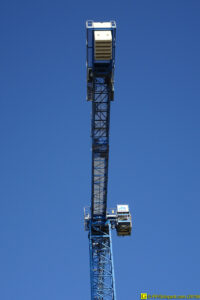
98,219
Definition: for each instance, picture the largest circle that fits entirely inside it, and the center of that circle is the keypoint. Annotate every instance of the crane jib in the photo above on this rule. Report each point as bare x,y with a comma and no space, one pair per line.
100,147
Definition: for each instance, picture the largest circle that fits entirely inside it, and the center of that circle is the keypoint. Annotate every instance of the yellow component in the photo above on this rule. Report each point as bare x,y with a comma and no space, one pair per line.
113,211
143,295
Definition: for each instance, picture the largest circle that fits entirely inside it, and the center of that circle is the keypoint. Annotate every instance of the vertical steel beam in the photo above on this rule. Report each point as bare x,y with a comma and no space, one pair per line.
101,263
100,147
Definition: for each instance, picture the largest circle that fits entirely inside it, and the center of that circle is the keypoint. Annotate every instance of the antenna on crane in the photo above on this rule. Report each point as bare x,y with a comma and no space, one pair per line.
98,220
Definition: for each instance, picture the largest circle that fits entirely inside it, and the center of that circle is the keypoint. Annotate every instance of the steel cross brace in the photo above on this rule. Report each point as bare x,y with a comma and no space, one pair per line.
101,262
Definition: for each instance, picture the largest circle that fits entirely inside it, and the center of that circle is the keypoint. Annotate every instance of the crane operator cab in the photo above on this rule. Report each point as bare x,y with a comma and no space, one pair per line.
124,223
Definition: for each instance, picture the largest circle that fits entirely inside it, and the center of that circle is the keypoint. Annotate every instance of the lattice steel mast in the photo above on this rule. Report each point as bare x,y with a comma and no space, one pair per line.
101,39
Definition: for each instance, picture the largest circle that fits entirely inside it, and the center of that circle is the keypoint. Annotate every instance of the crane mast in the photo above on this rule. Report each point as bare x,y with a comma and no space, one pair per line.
101,39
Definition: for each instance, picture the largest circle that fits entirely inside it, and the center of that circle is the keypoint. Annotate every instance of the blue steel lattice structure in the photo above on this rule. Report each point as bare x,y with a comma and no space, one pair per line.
101,38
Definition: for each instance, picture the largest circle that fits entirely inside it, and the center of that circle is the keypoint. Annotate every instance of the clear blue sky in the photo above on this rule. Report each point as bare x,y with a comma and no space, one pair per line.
45,157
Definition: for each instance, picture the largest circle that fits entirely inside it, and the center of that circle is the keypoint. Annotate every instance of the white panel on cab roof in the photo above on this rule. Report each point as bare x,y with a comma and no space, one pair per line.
103,35
122,208
102,24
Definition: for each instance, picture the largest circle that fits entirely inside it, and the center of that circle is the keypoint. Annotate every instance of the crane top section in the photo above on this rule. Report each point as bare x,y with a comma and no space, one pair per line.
101,38
100,90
